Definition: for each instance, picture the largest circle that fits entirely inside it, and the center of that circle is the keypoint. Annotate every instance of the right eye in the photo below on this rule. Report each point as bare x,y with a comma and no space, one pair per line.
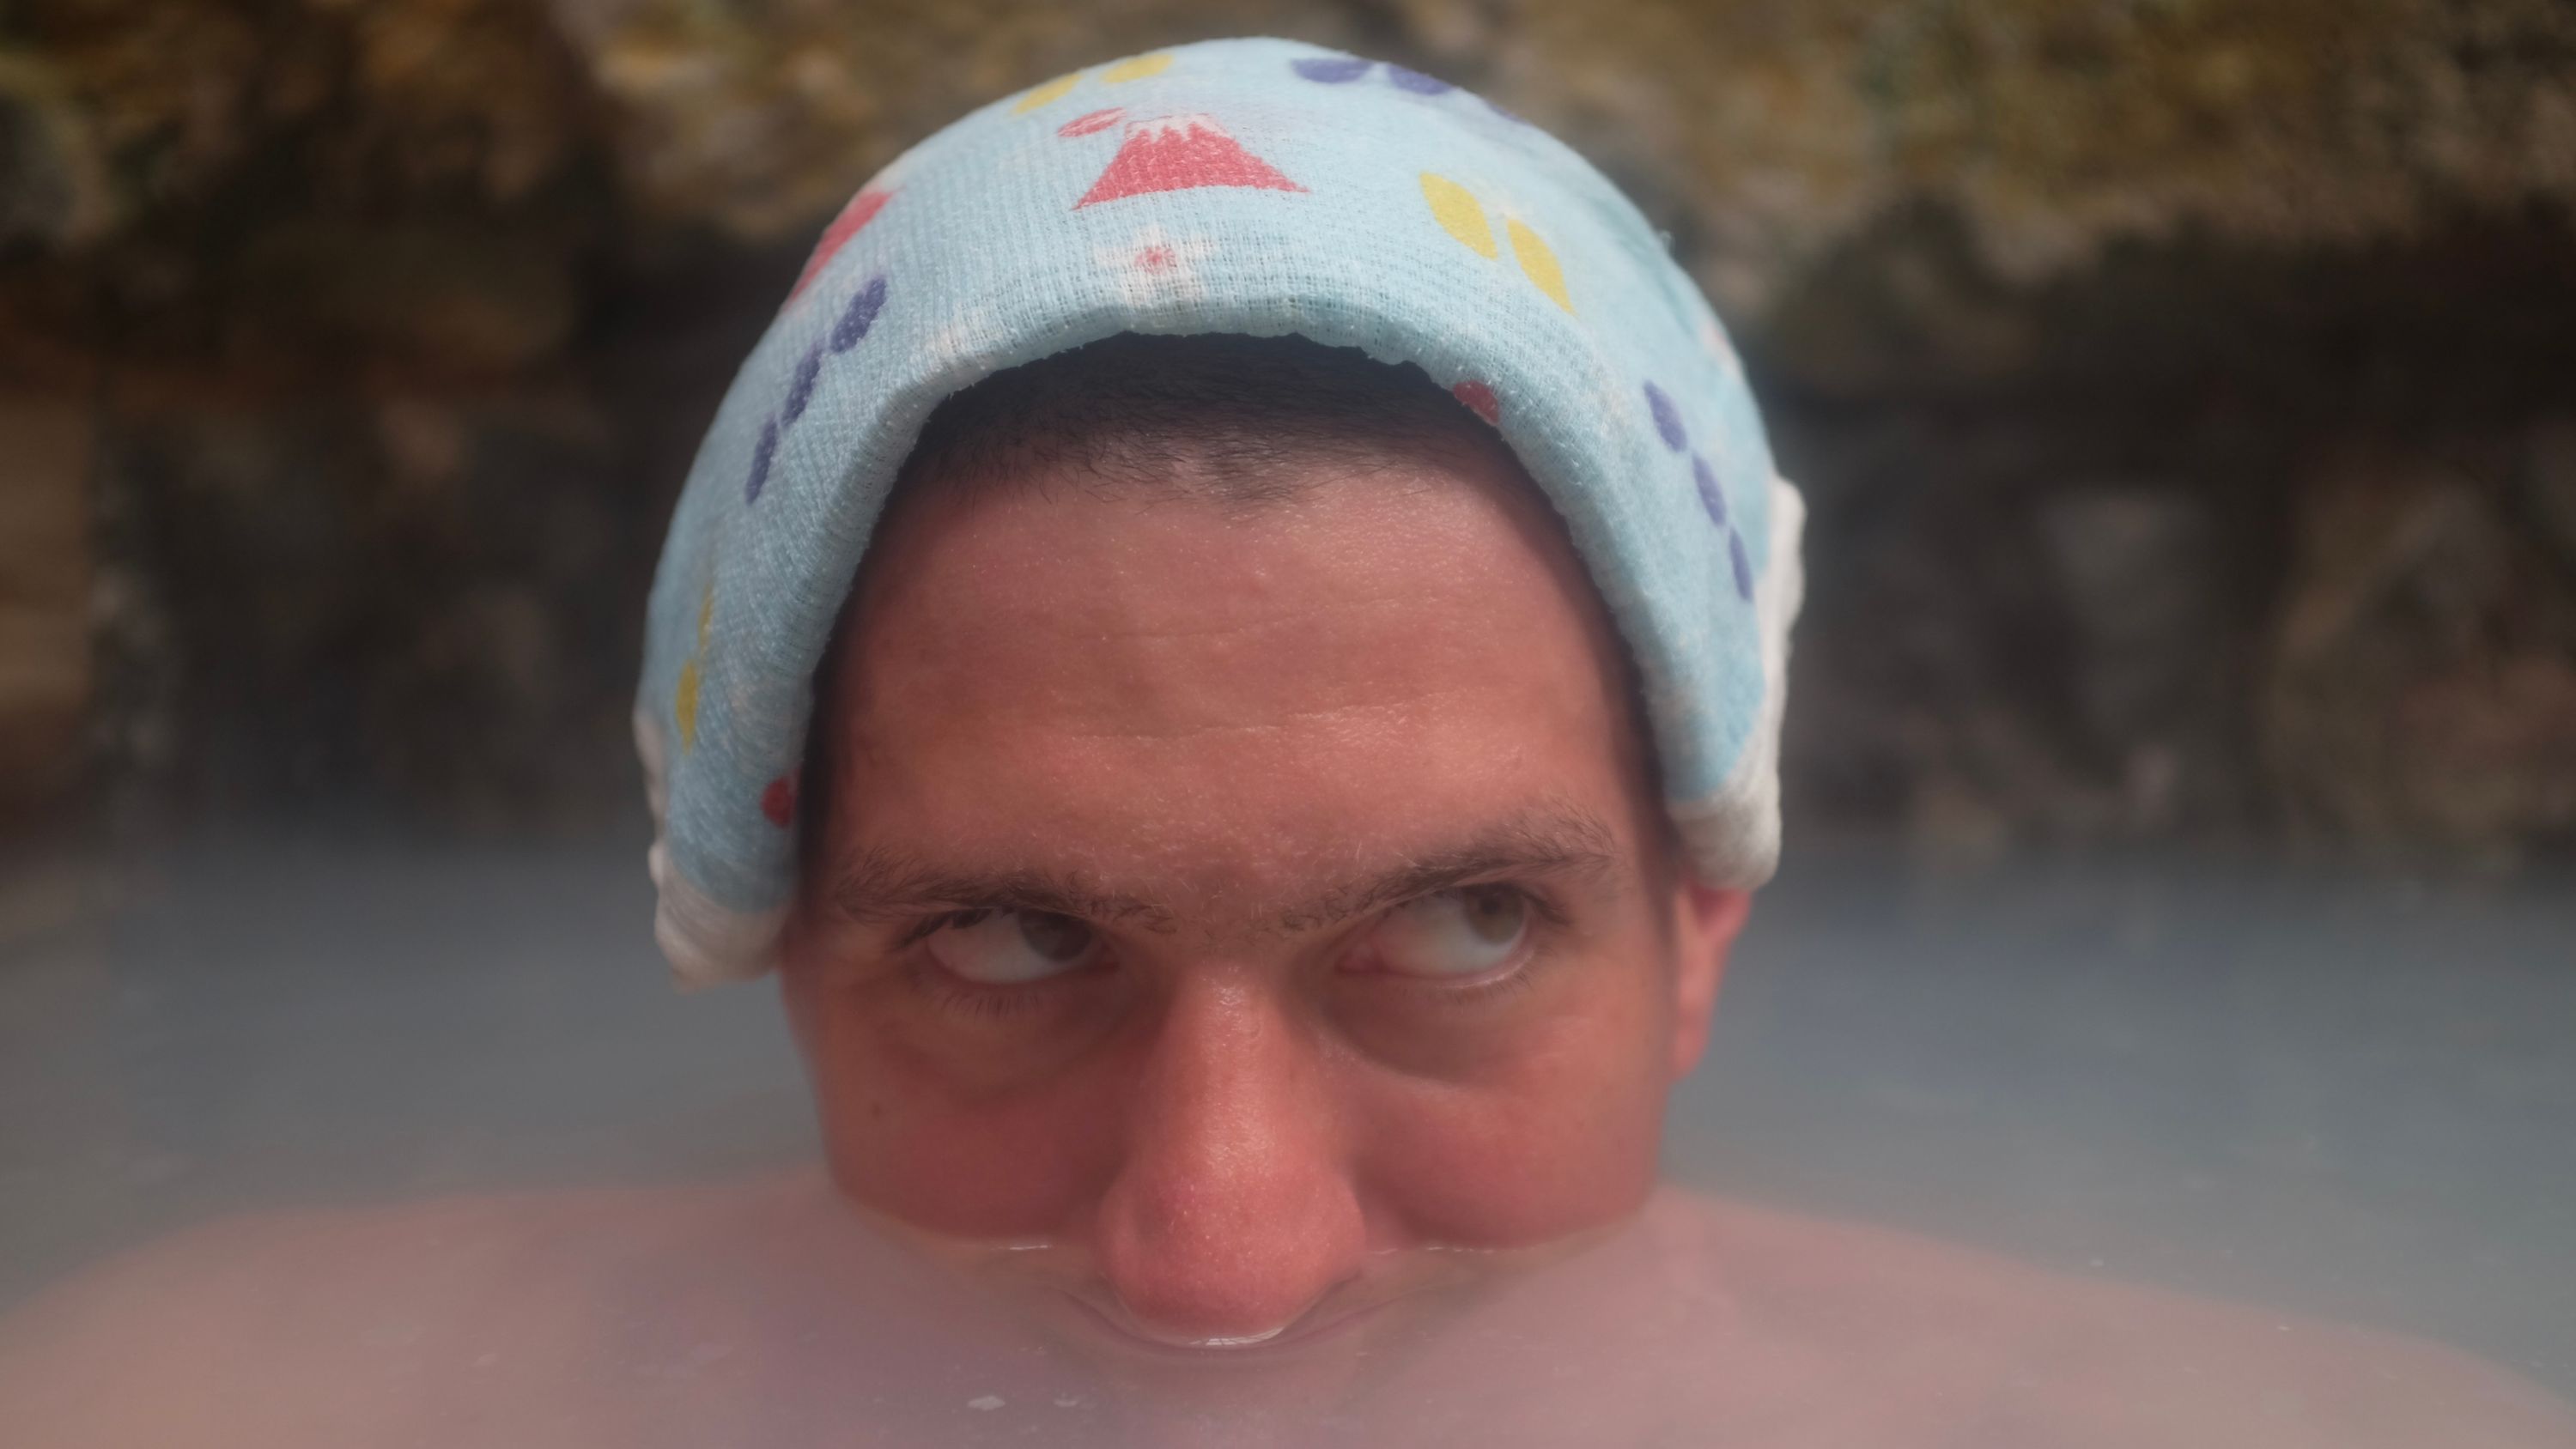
1011,948
1454,934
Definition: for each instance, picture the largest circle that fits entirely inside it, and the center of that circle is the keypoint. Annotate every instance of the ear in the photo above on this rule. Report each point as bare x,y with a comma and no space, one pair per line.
1706,921
796,989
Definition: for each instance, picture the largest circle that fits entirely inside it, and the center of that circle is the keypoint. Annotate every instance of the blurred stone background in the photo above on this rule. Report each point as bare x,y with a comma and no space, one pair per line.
2185,390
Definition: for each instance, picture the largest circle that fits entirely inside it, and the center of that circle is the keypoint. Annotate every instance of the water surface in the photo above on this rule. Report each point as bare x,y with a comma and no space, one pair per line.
2334,1095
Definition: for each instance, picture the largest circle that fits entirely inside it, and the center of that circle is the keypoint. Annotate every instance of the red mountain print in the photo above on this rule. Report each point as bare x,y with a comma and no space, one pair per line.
1177,153
862,209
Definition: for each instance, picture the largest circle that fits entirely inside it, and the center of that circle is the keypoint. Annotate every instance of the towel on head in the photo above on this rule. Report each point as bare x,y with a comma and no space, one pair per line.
1261,187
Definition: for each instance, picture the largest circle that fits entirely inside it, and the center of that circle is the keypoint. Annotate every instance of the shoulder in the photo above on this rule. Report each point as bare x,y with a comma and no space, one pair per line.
373,1325
2041,1357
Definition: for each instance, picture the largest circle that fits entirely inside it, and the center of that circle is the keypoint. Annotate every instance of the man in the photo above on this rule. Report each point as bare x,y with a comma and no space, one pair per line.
1250,825
1261,838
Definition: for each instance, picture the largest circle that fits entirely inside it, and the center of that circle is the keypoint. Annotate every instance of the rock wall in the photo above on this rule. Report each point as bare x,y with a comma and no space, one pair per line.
2183,388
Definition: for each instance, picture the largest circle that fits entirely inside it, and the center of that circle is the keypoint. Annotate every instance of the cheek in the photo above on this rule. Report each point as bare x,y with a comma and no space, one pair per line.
1557,1134
1567,1139
904,1139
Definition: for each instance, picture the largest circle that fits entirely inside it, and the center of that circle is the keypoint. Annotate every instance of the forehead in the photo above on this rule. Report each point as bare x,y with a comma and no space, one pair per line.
1177,694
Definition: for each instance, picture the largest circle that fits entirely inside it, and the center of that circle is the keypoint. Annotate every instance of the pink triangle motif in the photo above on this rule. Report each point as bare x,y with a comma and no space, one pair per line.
1178,153
863,208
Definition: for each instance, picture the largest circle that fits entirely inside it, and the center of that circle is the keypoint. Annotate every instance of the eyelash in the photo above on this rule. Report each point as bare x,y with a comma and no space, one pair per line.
996,1003
1549,911
970,998
928,926
1549,917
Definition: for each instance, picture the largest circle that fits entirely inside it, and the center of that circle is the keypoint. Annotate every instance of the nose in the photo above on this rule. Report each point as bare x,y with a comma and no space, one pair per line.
1233,1210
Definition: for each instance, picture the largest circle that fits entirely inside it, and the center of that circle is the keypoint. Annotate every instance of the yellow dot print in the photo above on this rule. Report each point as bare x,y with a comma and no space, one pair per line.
684,704
1455,208
1052,90
684,700
1538,263
1137,69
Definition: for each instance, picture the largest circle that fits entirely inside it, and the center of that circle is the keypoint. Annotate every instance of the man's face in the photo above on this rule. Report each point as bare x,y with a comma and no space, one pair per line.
1239,908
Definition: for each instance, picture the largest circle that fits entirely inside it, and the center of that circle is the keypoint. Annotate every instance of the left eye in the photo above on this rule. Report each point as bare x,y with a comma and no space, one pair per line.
1011,948
1465,932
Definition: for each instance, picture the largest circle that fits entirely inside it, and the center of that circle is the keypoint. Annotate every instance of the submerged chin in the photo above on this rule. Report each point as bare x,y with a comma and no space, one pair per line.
1058,1289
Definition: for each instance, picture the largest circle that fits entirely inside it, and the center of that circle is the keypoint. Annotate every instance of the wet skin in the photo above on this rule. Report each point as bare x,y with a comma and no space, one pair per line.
1238,908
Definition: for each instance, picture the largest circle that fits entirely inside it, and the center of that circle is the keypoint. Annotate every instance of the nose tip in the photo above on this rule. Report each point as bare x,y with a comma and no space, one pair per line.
1228,1265
1233,1212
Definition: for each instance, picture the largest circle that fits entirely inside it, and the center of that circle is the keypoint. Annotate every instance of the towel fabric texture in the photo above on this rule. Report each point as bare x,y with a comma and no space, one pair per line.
1241,186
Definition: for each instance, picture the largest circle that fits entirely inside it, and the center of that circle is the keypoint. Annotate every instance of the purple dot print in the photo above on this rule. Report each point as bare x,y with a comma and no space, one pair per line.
800,388
1332,70
1416,82
1711,496
762,455
1743,565
859,316
1668,419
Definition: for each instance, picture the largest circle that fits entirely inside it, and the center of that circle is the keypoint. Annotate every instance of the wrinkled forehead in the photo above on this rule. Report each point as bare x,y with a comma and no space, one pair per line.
1232,703
1418,619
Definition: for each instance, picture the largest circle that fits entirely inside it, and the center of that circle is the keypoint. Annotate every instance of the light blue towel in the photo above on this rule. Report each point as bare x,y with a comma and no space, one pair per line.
1240,186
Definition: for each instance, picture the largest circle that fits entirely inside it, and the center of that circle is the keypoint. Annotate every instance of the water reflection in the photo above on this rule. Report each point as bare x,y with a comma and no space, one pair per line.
2323,1097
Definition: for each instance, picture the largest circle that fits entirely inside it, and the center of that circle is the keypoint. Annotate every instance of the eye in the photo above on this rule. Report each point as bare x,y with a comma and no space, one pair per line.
1010,948
1465,932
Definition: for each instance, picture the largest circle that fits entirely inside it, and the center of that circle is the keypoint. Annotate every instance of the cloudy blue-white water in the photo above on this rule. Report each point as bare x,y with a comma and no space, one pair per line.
2347,1095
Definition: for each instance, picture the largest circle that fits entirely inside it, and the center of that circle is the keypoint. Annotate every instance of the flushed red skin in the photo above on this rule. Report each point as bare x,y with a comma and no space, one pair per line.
1227,711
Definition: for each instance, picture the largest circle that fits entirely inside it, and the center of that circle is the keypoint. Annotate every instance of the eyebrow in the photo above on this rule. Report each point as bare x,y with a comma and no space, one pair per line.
1558,840
881,885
